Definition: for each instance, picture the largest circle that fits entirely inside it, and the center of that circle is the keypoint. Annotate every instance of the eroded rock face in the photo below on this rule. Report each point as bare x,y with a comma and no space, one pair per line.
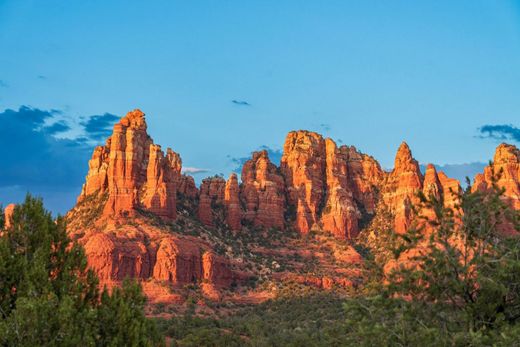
186,186
401,188
178,261
159,190
340,214
263,192
329,188
135,175
215,270
8,215
365,178
134,172
232,202
506,166
127,162
97,177
211,198
450,190
303,167
116,258
440,187
151,254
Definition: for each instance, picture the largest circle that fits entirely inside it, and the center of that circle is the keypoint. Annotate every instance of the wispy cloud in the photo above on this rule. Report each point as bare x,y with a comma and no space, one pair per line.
98,127
241,102
194,170
500,132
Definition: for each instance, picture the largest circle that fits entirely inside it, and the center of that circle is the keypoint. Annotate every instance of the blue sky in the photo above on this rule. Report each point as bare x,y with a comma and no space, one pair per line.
368,73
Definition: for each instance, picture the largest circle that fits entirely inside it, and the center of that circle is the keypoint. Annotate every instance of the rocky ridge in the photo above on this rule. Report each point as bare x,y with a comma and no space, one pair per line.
139,217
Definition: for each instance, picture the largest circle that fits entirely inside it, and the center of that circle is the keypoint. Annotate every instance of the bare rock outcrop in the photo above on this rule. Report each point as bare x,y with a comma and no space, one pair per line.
263,192
401,188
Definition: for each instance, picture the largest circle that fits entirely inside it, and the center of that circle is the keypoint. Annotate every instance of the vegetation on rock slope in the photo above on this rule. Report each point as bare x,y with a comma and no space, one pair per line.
48,296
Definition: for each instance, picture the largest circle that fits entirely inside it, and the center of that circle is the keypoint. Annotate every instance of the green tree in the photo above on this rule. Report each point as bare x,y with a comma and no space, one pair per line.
49,297
462,288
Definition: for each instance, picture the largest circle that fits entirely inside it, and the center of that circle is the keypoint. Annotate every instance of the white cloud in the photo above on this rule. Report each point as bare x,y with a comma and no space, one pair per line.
194,170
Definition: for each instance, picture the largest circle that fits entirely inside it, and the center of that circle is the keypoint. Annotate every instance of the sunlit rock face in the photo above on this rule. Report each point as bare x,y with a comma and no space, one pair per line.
130,179
232,203
8,216
303,167
506,168
340,214
263,192
138,216
365,178
133,172
328,187
401,188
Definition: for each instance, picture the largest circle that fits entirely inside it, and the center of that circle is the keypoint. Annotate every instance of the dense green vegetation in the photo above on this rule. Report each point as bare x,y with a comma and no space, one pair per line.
314,319
48,297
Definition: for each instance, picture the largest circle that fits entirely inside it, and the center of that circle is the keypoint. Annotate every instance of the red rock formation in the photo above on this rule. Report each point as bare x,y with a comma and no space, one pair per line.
365,178
326,185
178,261
8,215
129,151
174,162
431,188
97,177
401,187
134,172
151,254
479,183
216,270
303,167
450,190
211,197
116,258
431,184
340,214
506,167
232,202
263,192
159,190
186,186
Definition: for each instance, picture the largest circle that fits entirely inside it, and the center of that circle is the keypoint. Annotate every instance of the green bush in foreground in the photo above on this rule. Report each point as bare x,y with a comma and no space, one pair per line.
463,289
48,297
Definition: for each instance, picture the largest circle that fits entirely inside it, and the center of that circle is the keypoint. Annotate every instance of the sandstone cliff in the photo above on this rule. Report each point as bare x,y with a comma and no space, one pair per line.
263,192
506,169
401,187
133,171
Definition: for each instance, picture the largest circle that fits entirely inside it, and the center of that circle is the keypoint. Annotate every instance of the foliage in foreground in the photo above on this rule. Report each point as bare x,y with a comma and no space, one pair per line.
460,285
48,296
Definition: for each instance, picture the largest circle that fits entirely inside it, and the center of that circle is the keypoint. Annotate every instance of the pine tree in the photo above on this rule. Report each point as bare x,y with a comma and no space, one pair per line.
49,297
